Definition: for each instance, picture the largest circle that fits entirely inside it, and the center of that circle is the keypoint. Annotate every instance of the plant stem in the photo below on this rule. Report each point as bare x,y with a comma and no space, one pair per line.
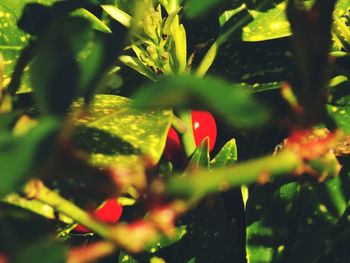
187,138
37,190
207,60
178,125
203,182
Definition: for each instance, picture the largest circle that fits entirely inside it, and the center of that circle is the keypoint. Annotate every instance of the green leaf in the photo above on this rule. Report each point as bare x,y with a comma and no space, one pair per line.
42,252
136,64
339,106
195,8
55,71
96,22
267,25
115,133
215,94
166,241
117,14
12,39
227,156
200,157
20,155
289,221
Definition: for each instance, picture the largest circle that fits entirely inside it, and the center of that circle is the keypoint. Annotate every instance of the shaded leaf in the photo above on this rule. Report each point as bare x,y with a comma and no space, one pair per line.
12,39
339,105
286,221
55,71
42,252
195,8
28,151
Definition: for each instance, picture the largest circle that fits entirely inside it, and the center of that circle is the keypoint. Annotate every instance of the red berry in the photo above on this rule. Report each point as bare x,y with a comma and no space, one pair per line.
109,213
203,125
173,149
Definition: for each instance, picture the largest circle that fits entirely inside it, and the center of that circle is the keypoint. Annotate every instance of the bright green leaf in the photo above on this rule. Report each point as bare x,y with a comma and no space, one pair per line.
115,133
227,156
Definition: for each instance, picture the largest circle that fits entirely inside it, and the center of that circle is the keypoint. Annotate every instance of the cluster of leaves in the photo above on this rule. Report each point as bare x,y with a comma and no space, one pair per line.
67,121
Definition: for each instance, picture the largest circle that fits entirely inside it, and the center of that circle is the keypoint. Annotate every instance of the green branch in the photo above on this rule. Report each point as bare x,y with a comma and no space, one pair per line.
187,138
37,190
202,182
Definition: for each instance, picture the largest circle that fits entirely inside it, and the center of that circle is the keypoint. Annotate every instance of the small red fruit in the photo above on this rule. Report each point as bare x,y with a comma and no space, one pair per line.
109,213
203,125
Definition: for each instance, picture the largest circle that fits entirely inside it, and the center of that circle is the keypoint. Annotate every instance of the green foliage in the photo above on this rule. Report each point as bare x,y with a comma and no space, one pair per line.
42,252
121,133
12,39
188,91
83,147
287,220
28,151
195,7
55,71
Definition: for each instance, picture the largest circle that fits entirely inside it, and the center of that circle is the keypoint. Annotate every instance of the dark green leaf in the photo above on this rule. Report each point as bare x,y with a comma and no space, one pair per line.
20,155
197,7
339,106
116,133
55,71
42,252
287,221
228,100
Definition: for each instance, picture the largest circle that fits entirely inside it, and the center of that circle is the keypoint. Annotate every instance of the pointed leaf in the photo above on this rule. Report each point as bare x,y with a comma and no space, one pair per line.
227,155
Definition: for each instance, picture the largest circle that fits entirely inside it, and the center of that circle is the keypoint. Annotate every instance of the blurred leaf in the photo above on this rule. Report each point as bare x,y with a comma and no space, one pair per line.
215,94
42,252
286,221
119,132
27,151
227,156
12,39
195,8
55,71
20,227
126,258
